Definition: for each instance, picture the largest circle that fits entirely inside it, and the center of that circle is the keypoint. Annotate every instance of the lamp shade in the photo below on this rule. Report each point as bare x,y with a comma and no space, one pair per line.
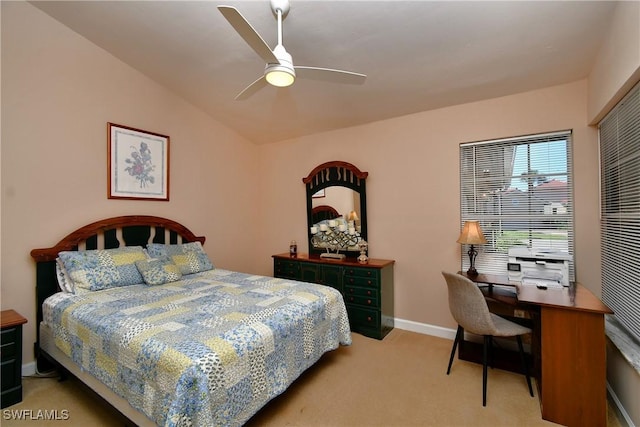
353,216
471,234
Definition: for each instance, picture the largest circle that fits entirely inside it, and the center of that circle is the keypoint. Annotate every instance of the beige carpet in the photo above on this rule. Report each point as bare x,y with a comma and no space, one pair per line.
399,381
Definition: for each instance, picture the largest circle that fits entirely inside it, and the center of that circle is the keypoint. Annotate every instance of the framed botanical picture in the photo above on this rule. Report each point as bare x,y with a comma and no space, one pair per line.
138,164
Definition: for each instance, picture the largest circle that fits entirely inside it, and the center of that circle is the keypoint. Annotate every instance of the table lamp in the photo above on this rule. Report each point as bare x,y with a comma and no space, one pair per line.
471,234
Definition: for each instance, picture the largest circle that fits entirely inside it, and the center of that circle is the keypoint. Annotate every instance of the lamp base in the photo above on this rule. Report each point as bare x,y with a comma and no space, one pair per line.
472,260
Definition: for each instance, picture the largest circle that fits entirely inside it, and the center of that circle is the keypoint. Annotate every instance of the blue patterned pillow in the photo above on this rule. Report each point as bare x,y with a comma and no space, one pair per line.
103,268
190,257
64,281
158,271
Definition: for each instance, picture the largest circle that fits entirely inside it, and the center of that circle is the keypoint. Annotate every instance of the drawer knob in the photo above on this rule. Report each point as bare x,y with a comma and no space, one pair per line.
368,273
369,319
368,282
369,301
368,292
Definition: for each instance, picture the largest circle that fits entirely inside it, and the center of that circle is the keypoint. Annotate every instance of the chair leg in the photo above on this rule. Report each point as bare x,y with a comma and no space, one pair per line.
490,350
485,349
458,337
525,367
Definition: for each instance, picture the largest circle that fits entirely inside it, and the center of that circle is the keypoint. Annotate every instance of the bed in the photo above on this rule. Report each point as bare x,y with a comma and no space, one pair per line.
322,213
169,338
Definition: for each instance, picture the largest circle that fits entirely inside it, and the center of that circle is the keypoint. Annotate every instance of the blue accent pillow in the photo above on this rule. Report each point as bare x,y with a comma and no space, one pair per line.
189,257
158,271
103,268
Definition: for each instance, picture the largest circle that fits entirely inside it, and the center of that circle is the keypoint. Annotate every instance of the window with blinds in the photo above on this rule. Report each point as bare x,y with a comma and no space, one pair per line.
620,210
520,190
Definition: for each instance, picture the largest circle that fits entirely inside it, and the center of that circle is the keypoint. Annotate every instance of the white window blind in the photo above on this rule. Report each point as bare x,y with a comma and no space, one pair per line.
620,210
520,190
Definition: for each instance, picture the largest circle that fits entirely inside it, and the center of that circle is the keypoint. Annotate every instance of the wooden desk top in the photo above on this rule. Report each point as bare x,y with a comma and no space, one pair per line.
574,297
10,318
373,262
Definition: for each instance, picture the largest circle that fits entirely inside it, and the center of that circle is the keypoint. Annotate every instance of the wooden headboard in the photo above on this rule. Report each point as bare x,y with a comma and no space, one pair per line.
322,212
130,230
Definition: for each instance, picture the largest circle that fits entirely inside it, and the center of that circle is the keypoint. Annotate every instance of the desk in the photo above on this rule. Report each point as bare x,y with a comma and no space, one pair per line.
568,347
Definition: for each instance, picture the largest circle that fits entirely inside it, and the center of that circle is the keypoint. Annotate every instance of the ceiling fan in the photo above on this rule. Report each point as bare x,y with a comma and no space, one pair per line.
280,70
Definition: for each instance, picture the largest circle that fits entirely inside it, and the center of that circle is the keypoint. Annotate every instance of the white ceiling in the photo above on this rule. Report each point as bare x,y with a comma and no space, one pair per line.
418,55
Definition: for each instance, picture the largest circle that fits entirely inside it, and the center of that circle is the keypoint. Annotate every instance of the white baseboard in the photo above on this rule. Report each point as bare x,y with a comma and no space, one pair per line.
29,369
620,409
436,331
423,328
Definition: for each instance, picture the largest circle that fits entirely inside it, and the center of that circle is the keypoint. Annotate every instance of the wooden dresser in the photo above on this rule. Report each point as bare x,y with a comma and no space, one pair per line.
367,288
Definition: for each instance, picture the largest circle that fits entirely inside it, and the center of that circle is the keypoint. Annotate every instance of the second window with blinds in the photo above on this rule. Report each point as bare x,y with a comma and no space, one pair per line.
520,190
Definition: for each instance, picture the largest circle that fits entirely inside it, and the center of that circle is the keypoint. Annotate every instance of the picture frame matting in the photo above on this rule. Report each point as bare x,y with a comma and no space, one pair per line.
137,164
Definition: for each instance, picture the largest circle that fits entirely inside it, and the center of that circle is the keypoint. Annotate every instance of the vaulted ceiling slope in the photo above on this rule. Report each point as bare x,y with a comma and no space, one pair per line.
418,55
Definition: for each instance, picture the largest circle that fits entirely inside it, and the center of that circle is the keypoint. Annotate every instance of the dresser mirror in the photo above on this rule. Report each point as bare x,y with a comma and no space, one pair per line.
336,209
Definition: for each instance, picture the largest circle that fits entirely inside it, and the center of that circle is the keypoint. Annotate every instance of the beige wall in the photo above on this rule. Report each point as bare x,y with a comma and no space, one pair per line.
617,67
58,93
413,194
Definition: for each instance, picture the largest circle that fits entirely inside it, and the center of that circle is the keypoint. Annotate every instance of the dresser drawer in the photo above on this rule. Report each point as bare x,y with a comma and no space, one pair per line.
286,269
361,300
360,318
356,272
366,282
8,345
10,371
361,292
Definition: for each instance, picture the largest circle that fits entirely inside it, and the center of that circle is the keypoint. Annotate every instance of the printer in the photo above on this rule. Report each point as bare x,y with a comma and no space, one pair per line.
538,267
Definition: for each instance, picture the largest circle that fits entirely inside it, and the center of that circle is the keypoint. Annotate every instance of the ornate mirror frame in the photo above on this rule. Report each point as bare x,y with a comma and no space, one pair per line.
336,173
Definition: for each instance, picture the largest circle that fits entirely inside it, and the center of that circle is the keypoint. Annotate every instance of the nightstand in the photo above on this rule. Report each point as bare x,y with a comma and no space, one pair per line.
11,357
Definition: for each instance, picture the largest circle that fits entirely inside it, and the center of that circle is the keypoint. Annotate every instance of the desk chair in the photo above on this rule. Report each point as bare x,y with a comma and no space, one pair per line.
469,308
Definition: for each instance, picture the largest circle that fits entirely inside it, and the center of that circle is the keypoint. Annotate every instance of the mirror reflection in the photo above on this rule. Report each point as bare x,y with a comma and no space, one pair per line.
333,202
336,209
336,221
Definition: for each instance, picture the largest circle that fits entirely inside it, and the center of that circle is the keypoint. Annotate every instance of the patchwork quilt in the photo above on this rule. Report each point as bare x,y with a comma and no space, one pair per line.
208,350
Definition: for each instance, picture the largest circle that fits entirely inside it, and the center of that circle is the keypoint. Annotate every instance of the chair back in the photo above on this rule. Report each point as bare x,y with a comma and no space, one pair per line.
468,306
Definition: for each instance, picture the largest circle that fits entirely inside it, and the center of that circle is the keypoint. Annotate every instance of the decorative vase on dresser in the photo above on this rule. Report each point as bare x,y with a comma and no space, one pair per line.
367,288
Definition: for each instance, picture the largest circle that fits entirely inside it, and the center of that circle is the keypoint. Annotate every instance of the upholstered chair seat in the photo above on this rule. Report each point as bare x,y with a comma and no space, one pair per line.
469,309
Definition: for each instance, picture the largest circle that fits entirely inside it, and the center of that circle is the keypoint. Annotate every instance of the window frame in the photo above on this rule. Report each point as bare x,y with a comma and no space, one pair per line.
496,160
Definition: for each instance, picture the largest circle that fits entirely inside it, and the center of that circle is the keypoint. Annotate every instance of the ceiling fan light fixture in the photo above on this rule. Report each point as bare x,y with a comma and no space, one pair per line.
279,70
280,76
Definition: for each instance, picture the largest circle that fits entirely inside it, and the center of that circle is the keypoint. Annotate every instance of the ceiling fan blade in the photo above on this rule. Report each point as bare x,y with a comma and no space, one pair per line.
330,75
251,89
248,33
